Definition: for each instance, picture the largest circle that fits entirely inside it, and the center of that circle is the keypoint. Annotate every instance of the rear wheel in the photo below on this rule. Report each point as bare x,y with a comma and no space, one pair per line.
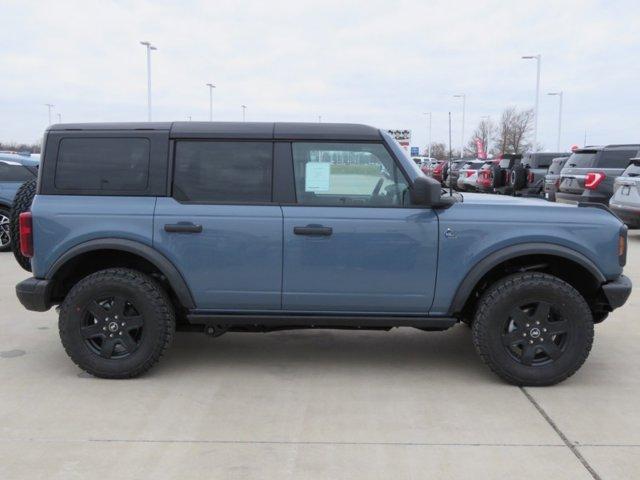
5,231
116,323
533,329
21,203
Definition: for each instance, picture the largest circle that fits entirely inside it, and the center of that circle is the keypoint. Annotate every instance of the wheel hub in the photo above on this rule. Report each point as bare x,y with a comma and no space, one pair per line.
113,327
534,332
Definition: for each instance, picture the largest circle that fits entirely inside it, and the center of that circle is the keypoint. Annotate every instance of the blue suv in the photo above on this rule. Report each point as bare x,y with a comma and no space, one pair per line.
139,230
15,169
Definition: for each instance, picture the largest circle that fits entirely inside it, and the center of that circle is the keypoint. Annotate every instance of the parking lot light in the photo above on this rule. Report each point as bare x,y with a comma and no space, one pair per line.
244,111
429,144
538,59
464,104
49,106
560,95
149,47
211,87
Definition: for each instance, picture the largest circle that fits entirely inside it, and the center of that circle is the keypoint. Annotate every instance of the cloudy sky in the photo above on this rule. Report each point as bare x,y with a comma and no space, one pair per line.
378,62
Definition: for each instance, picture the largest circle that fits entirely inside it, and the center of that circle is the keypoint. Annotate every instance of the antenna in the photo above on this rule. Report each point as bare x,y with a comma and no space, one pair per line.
450,185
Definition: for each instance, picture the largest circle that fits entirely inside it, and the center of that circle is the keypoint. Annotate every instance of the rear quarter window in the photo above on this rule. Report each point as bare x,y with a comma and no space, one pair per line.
632,170
615,158
109,164
14,172
581,160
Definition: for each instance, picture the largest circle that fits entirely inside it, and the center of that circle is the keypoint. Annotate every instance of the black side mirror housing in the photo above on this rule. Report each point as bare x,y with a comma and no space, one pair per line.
425,191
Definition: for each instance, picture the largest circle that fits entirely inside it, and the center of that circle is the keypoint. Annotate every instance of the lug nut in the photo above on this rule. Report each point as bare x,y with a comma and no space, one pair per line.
544,329
524,334
527,325
123,324
541,339
111,335
530,341
120,333
537,323
104,328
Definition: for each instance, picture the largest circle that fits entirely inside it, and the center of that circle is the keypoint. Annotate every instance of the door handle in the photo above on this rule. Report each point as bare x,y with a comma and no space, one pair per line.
318,230
182,228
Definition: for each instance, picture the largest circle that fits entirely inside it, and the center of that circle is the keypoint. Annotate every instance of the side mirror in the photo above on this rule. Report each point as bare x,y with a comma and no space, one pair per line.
425,191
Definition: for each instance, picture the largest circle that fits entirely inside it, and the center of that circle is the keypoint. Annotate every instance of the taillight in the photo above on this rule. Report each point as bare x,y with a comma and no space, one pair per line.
26,234
469,173
558,183
530,177
438,168
593,179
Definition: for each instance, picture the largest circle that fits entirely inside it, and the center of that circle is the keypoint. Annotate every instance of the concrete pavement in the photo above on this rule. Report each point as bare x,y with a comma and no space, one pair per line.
315,404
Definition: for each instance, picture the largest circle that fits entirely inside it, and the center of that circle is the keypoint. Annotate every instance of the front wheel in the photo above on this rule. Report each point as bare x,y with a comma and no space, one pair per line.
533,329
116,323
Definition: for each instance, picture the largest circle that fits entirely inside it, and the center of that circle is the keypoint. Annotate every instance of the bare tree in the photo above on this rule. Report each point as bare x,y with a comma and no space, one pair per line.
438,150
513,130
20,147
484,132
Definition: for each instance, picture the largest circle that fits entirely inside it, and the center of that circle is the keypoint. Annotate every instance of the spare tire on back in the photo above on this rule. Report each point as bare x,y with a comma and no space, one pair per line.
518,177
21,203
496,176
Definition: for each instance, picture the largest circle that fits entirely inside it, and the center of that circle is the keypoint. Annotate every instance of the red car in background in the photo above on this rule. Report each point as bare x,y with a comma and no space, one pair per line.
435,169
485,176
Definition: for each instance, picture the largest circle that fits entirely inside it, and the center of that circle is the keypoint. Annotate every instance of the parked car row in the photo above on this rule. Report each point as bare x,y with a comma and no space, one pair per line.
608,175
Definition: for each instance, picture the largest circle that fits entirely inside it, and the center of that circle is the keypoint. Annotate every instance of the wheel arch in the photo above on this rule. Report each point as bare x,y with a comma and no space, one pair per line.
112,248
564,262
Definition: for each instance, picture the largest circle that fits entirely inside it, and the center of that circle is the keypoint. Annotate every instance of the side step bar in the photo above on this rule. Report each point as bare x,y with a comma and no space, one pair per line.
228,320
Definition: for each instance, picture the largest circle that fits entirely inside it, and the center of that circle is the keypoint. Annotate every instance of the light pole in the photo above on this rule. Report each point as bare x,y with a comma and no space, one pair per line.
59,118
244,111
211,87
560,95
319,118
538,59
463,96
49,106
149,47
429,136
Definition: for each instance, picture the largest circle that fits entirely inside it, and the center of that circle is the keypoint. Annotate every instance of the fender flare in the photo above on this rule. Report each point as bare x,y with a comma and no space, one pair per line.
481,268
164,265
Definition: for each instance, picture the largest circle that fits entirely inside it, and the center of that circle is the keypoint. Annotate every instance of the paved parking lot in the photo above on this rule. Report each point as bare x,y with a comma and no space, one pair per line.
315,404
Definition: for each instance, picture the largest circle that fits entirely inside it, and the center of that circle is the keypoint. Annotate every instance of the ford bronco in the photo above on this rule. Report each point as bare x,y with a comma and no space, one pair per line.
141,229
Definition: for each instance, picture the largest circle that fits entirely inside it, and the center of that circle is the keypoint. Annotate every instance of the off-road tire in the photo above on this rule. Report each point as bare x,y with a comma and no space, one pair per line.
149,299
6,214
21,203
566,304
518,178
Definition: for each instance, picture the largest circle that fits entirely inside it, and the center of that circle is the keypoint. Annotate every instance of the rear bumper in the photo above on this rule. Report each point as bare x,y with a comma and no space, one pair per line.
630,216
34,294
617,291
575,198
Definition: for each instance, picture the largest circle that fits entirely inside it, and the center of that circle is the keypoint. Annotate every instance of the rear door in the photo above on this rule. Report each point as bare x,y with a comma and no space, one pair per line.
351,242
220,227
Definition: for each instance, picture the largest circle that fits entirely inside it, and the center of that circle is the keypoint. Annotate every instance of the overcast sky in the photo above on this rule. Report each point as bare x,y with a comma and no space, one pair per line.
382,63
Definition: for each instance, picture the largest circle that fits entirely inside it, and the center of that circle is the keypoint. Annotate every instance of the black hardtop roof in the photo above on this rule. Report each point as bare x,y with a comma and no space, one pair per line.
240,130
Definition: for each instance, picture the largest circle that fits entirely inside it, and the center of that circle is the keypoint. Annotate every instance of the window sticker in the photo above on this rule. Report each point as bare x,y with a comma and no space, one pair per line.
317,177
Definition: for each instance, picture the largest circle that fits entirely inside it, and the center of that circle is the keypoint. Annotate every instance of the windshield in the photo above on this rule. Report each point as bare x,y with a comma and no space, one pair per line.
556,165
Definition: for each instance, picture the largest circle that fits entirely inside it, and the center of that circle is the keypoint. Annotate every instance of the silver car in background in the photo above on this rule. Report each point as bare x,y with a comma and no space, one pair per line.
625,201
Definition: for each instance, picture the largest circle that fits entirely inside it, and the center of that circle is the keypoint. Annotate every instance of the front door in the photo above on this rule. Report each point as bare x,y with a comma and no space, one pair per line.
220,228
351,242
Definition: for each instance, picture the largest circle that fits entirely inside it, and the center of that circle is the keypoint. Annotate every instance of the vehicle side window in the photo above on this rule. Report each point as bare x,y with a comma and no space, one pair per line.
223,171
616,158
14,172
103,164
347,174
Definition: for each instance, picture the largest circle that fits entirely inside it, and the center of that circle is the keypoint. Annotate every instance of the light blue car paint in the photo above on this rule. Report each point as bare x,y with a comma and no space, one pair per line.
235,263
408,260
376,260
61,222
